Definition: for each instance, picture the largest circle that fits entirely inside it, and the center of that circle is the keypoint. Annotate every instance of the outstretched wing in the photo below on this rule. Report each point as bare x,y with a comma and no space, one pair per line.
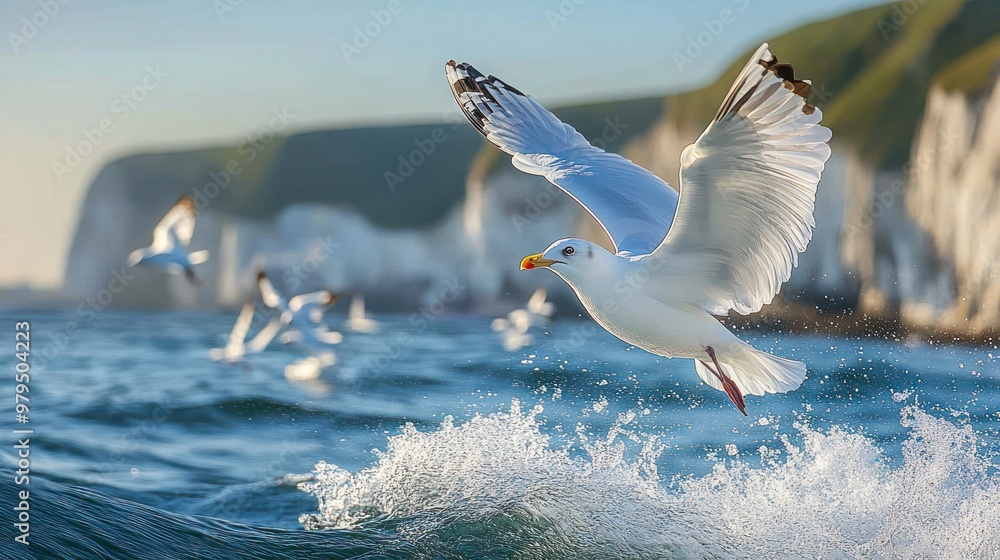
313,305
260,341
633,206
177,226
268,294
242,326
748,189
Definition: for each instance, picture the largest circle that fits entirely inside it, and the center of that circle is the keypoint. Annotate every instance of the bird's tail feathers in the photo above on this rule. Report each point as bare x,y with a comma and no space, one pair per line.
198,257
756,372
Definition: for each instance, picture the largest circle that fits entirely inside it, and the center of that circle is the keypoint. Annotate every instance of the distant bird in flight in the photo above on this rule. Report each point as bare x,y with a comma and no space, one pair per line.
514,328
357,320
727,242
170,240
303,313
238,347
538,311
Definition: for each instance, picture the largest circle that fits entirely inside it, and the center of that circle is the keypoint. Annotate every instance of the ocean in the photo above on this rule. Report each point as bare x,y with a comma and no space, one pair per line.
429,440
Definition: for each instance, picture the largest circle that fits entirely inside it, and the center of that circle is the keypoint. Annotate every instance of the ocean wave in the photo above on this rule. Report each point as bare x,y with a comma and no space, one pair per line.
78,523
497,483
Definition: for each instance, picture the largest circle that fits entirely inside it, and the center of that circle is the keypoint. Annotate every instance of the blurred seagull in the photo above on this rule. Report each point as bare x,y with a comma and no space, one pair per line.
512,336
237,348
514,328
357,321
310,368
170,240
304,313
538,312
727,242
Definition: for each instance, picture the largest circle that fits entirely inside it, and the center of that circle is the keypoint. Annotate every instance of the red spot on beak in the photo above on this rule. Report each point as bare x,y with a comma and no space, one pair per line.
534,261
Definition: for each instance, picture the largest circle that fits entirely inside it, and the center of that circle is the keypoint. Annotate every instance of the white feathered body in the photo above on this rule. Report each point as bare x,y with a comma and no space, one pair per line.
626,309
642,312
177,256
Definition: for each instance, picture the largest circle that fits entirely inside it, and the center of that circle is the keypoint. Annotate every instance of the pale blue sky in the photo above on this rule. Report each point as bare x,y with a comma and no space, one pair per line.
222,76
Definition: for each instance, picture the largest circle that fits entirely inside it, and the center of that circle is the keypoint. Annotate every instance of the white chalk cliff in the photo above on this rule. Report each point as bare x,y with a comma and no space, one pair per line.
953,193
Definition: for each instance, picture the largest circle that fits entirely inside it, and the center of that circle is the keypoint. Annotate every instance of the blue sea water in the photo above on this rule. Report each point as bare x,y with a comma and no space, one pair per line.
429,440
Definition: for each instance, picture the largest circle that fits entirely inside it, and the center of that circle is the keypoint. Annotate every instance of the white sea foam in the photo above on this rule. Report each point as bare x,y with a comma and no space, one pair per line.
834,495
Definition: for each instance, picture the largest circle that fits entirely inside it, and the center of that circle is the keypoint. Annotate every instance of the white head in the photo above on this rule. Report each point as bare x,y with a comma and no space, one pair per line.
573,260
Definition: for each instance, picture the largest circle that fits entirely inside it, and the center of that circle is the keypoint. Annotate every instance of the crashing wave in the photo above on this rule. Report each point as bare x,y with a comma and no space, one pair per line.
498,483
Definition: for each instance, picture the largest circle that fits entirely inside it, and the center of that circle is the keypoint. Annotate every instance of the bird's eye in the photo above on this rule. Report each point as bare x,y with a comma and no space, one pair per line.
568,251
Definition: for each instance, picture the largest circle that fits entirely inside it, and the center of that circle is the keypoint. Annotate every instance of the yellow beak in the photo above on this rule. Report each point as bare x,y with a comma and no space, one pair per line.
535,261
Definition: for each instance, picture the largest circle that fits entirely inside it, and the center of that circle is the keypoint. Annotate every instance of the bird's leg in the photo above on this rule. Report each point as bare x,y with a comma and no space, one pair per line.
728,384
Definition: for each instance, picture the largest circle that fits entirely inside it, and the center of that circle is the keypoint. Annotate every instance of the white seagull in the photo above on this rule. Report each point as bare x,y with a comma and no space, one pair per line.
237,348
303,313
357,321
728,242
170,240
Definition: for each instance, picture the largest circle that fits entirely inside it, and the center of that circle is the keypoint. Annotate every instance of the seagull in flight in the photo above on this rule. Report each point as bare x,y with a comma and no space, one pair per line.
170,240
357,320
303,313
726,242
238,347
538,312
514,328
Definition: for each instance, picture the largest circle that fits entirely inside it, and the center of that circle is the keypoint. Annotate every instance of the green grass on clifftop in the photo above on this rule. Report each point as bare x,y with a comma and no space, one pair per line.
974,71
871,69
